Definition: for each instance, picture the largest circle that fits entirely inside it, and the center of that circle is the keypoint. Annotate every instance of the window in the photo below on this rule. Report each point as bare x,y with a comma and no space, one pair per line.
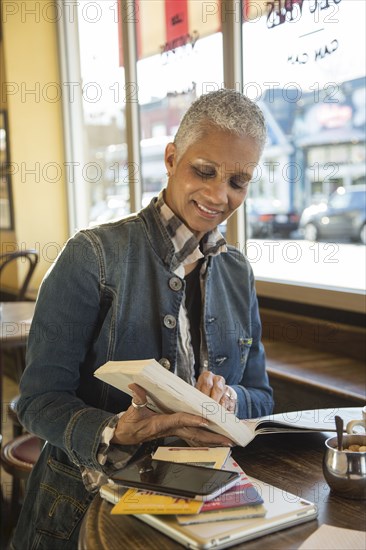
181,76
180,60
302,61
96,114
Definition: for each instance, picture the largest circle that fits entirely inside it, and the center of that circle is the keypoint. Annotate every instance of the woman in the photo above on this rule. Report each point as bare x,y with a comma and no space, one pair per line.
161,283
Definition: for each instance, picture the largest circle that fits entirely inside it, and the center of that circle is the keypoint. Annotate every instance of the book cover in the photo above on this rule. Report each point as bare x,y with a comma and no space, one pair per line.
240,502
167,393
212,457
242,494
136,501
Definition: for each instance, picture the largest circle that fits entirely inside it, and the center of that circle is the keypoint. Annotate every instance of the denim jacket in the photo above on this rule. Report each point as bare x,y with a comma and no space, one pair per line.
112,295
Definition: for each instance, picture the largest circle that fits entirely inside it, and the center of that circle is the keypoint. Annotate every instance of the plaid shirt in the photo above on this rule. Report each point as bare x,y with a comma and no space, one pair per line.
188,250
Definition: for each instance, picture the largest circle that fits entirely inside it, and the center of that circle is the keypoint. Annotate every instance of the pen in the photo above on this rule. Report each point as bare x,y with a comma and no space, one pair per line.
188,449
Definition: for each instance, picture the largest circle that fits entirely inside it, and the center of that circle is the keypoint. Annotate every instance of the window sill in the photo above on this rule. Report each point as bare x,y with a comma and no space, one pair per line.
336,298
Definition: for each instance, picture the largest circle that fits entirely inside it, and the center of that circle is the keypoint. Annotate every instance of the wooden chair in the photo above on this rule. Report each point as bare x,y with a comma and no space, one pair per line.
31,257
18,457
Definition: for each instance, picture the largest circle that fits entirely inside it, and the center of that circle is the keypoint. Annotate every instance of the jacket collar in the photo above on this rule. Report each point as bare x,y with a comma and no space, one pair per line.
173,241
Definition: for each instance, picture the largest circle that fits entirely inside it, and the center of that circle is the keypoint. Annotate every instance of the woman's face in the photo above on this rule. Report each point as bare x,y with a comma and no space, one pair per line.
210,180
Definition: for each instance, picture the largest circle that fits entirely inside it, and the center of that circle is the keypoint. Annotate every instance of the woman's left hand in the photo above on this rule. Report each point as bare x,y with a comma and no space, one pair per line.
139,424
215,387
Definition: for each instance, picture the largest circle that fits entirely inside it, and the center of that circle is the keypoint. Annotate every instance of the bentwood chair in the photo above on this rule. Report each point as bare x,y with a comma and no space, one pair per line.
30,256
18,455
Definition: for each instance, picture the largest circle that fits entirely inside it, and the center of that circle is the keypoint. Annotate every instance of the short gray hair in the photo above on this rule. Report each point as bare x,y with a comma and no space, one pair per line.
226,109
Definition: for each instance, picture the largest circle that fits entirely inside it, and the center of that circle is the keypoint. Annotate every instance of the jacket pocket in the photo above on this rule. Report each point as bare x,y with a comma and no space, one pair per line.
244,347
62,500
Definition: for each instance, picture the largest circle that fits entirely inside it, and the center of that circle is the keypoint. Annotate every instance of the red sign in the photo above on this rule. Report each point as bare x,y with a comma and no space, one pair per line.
164,25
176,19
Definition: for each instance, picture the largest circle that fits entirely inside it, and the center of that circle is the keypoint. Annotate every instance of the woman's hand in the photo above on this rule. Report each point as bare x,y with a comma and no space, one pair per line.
215,387
138,425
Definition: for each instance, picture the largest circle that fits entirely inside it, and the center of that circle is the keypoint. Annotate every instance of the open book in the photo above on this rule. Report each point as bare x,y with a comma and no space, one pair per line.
167,393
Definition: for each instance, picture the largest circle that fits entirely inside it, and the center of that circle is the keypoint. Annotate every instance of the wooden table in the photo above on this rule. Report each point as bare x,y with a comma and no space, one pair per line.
15,322
16,318
291,462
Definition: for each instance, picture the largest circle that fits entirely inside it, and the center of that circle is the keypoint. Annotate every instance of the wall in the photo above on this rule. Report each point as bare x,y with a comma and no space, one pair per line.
10,273
36,133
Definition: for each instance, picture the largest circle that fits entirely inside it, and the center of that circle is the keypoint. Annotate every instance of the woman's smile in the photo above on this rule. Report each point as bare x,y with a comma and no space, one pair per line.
207,211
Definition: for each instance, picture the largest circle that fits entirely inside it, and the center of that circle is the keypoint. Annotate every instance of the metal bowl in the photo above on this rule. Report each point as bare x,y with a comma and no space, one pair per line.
345,471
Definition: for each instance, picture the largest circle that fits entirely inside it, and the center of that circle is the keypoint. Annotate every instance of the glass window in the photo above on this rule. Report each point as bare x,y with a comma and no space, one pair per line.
179,49
188,63
304,63
340,200
106,193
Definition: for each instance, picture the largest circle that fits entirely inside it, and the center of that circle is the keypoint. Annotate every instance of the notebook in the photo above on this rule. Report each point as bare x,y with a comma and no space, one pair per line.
283,510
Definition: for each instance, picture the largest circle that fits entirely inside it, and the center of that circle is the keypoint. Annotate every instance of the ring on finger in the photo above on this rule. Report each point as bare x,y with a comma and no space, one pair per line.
229,396
138,405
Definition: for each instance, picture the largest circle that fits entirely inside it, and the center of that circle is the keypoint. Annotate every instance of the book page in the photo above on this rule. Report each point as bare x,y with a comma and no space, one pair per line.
312,420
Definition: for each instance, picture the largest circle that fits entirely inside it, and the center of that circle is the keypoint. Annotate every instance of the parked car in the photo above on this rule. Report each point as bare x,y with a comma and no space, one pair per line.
342,217
269,218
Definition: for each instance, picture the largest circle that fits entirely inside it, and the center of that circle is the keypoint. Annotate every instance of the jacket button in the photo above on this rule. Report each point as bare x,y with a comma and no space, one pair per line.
175,283
170,321
164,362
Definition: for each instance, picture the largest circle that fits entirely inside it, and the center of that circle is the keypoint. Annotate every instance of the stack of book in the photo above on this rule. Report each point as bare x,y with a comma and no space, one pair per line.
239,502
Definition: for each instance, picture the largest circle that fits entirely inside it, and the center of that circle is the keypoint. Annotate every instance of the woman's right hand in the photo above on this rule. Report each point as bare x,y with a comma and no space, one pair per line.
138,425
